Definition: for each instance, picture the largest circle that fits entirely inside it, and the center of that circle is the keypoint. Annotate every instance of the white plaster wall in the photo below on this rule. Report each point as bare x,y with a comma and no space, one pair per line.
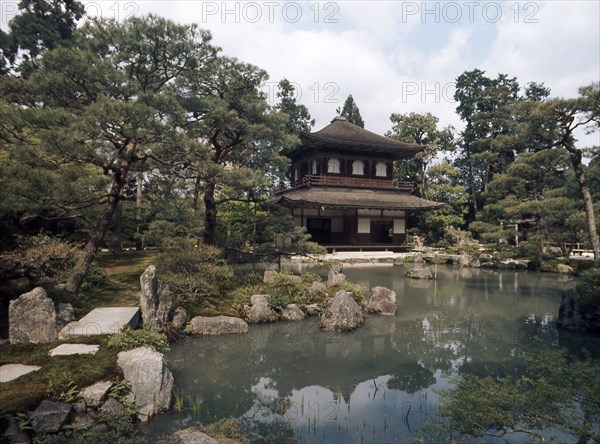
364,225
399,226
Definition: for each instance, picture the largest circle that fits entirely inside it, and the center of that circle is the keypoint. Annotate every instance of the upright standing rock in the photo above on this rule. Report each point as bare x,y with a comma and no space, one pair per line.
151,381
32,318
155,300
336,275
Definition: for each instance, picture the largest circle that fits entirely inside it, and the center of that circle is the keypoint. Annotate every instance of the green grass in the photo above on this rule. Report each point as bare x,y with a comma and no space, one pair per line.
122,284
26,392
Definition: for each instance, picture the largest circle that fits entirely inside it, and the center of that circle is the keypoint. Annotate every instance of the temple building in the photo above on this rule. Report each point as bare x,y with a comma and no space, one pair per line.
342,188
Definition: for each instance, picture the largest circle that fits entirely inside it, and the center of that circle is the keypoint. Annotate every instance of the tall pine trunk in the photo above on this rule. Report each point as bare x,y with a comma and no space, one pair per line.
118,230
139,216
97,237
210,214
576,161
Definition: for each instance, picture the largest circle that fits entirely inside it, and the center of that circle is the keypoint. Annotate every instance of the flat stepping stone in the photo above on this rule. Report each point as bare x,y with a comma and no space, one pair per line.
102,321
10,372
74,349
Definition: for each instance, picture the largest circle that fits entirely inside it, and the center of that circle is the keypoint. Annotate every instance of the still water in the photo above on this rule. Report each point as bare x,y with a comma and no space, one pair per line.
379,383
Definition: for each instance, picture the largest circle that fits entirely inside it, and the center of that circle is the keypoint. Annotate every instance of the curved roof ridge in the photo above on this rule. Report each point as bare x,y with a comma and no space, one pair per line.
344,132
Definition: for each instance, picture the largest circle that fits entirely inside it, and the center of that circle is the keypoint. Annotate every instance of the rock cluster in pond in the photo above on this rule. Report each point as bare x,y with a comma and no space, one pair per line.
382,300
259,311
572,317
155,300
32,318
344,314
151,381
419,273
217,325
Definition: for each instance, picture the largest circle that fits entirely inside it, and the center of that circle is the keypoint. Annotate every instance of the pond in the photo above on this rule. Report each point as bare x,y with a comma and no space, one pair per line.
379,383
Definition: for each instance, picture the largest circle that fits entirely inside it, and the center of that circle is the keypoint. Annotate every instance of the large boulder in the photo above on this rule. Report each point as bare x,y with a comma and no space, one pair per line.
155,300
572,317
49,417
564,269
217,325
382,300
344,314
292,313
151,381
32,318
336,276
259,310
419,273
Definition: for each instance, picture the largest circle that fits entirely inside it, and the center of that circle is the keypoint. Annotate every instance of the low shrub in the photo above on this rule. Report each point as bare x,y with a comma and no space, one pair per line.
41,256
130,339
309,278
194,272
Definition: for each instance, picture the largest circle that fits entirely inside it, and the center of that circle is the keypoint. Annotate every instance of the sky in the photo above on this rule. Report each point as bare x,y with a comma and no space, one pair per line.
392,56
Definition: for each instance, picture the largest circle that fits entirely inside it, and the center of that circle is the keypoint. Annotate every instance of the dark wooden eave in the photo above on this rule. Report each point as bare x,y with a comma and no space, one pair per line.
329,197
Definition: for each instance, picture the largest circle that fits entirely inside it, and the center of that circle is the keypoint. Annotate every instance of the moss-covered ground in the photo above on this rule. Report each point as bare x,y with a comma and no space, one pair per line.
57,375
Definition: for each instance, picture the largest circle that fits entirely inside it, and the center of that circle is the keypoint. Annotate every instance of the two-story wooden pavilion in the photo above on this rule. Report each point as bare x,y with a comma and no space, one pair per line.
342,188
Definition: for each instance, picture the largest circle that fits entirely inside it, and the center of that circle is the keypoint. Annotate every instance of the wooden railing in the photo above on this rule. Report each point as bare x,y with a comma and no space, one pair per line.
350,182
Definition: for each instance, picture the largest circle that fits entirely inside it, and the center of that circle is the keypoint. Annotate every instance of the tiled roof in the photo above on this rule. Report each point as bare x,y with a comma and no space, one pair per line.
342,134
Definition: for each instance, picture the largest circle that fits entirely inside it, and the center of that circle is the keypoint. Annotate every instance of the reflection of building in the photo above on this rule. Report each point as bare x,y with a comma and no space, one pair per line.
342,188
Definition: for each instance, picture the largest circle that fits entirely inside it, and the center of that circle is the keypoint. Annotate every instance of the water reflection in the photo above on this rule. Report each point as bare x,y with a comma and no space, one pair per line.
378,383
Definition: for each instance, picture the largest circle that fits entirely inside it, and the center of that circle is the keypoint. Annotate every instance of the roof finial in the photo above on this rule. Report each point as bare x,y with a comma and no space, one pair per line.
342,118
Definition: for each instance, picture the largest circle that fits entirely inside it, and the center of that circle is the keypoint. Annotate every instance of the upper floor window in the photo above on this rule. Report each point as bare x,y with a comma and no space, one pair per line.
358,168
313,167
333,166
381,169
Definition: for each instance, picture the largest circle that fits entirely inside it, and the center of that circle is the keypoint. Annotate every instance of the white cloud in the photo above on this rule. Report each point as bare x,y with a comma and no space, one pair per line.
395,56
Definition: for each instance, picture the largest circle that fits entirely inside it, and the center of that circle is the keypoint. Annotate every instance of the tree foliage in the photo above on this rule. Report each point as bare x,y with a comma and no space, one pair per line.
555,392
420,129
40,25
351,112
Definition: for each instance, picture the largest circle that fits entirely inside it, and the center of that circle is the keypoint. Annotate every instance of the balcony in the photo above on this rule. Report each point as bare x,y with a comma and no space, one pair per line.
350,182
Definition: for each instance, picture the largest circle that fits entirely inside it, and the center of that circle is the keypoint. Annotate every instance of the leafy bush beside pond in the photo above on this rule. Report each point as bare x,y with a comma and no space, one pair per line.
588,288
